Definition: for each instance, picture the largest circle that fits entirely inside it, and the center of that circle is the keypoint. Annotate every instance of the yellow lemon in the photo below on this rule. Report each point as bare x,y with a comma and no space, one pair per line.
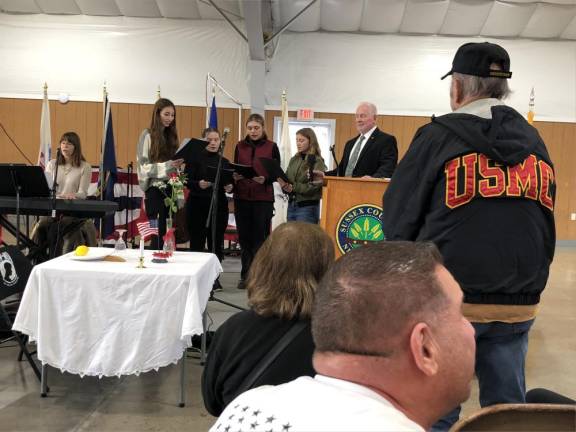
82,250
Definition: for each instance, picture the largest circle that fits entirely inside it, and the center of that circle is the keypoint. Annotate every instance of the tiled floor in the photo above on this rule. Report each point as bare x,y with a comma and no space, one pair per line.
149,402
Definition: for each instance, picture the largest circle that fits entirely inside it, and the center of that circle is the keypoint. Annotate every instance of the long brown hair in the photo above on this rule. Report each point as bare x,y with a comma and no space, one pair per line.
163,140
77,157
287,269
311,136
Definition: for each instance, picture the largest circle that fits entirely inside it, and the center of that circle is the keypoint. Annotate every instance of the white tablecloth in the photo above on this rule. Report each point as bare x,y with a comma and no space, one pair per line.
110,318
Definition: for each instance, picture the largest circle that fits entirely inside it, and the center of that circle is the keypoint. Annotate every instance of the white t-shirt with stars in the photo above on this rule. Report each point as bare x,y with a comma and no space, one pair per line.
318,404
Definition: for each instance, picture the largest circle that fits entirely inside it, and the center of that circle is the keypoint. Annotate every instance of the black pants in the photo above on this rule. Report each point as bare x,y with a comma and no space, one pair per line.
253,219
196,214
157,210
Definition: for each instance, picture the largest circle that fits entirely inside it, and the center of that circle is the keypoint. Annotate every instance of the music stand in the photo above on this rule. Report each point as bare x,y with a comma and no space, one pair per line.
23,181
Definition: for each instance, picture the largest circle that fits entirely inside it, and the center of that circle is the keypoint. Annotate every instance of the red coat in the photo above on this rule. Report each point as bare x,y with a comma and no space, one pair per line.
246,153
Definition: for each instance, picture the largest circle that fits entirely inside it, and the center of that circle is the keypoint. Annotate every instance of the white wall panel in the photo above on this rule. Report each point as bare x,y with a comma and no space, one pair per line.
308,21
20,6
76,54
324,71
178,9
139,8
98,7
401,74
507,19
341,15
548,21
382,16
423,16
230,7
466,17
58,6
570,30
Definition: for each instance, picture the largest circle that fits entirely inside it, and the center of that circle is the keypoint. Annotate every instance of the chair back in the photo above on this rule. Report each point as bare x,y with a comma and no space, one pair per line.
520,417
15,269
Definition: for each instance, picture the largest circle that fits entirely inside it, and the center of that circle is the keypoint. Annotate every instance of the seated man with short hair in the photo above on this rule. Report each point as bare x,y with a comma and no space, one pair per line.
393,351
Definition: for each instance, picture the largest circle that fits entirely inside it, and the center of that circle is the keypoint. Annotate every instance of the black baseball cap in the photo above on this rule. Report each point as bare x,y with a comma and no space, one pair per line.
475,59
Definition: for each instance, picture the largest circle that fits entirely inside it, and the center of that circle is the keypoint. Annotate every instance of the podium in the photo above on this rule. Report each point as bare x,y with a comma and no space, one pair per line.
351,211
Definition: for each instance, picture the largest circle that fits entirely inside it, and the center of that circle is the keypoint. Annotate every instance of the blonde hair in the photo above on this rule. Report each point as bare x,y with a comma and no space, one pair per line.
287,269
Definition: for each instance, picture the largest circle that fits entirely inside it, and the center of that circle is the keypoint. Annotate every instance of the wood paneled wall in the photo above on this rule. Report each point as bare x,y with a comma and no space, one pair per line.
21,118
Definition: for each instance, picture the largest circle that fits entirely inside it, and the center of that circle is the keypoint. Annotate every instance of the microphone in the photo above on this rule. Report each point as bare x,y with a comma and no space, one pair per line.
223,139
311,158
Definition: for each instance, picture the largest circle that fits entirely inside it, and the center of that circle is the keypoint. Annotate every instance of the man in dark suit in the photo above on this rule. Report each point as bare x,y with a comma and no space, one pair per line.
372,153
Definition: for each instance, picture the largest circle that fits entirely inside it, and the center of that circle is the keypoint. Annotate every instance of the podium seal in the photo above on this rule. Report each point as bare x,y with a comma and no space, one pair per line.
359,225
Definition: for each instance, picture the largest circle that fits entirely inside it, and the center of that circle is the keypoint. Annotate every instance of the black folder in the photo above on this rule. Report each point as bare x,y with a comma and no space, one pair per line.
247,171
190,150
225,175
273,169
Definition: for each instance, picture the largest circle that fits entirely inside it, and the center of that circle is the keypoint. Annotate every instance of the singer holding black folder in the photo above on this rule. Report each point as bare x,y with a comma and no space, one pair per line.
304,203
156,148
201,174
253,197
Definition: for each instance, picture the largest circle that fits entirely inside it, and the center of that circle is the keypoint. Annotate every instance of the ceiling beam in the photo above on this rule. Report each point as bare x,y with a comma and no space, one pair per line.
254,31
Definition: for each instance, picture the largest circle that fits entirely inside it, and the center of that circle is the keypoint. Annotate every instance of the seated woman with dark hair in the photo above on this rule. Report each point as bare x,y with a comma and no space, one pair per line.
64,234
281,285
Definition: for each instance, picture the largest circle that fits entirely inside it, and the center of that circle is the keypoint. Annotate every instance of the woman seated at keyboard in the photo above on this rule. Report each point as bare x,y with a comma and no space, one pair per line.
64,234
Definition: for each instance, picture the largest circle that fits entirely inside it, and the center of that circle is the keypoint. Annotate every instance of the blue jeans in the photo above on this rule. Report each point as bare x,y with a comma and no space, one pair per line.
500,358
309,214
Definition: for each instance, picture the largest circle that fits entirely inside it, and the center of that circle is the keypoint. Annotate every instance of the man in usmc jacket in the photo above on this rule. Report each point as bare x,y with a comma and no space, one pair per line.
479,183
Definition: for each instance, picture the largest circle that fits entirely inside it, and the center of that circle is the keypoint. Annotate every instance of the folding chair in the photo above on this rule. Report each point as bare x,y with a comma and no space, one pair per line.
520,417
14,272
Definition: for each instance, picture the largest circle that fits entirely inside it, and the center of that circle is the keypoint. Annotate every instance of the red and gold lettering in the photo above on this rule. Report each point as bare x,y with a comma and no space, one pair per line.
453,198
546,180
523,178
490,172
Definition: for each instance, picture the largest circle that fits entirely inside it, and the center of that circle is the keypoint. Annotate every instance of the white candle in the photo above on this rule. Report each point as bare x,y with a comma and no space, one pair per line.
141,247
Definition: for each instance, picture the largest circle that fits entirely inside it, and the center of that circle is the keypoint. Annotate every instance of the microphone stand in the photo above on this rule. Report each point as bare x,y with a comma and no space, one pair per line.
212,218
52,252
55,185
334,157
129,203
17,189
211,221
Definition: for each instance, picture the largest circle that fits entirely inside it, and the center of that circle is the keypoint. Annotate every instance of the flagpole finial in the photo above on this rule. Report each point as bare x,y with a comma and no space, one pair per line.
213,90
530,116
104,91
45,87
158,94
284,95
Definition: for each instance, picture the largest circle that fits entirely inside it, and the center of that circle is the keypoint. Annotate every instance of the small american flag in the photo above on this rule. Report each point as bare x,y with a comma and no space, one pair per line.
147,229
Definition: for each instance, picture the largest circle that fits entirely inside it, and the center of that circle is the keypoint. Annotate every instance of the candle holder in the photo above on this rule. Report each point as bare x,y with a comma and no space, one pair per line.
141,262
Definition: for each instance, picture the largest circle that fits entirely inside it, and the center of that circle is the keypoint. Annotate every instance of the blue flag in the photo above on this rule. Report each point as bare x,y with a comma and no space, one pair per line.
109,170
213,115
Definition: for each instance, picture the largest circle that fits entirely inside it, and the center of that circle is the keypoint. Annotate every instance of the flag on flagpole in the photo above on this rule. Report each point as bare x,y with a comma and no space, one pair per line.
285,147
45,133
109,171
213,114
280,201
531,107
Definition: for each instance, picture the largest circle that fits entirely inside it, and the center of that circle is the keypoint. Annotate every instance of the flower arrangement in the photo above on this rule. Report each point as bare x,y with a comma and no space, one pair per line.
175,198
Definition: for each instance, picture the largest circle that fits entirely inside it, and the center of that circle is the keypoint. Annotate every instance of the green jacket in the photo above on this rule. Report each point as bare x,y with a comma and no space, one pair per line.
297,174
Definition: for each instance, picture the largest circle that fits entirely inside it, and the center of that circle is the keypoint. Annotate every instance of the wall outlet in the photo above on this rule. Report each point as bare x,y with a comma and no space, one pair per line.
573,216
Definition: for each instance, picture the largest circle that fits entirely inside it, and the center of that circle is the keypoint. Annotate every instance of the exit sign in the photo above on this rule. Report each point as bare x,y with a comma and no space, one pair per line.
305,114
